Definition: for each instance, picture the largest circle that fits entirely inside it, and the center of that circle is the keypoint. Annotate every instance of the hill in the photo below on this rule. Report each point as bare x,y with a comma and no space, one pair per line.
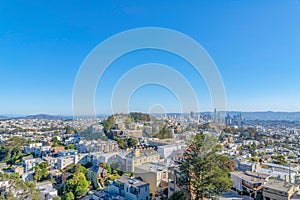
45,116
2,117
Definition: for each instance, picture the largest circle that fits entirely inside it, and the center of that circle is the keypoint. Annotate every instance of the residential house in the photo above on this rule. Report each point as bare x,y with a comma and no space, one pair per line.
18,169
108,158
100,173
46,190
242,164
29,163
248,181
55,150
279,190
131,189
156,174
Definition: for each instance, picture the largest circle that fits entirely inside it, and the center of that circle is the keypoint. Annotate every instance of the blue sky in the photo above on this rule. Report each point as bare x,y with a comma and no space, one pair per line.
255,44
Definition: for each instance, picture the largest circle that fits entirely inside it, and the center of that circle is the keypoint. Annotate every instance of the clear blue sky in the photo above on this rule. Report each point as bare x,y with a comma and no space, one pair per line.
255,44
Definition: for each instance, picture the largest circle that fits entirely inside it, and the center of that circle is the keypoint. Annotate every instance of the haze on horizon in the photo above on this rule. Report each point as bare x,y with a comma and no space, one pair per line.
254,44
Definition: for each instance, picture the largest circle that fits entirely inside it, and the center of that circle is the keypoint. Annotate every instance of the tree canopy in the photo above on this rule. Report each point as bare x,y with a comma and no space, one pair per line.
41,173
178,195
109,123
164,133
77,185
137,116
204,172
17,184
127,142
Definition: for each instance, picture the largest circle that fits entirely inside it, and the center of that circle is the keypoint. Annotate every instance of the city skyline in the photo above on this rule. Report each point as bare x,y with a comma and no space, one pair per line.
255,46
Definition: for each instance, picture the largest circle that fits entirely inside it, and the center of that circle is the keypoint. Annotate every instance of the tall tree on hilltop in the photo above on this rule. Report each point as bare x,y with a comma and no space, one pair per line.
109,123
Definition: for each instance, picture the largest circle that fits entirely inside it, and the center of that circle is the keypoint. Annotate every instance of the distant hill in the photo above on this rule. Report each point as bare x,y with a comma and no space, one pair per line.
45,116
2,117
269,115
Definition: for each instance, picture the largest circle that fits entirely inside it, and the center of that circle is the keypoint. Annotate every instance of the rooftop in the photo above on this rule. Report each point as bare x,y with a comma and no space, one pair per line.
281,166
27,158
68,151
172,145
132,181
143,153
252,177
279,185
155,167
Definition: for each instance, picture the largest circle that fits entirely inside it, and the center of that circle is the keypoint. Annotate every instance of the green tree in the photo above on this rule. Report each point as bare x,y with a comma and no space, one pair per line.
54,140
15,156
28,188
164,133
178,195
69,196
76,169
137,116
68,130
122,143
78,185
44,165
132,142
204,172
70,146
80,168
109,123
41,172
108,168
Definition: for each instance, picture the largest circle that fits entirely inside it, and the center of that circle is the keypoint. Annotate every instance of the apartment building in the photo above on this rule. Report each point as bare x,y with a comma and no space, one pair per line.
137,157
63,162
86,146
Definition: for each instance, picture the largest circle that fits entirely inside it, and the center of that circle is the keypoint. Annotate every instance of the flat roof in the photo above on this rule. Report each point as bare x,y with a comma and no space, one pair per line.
278,185
281,166
151,167
132,181
252,177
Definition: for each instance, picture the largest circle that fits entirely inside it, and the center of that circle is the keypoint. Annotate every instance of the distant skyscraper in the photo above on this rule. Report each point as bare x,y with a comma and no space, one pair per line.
192,115
215,115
